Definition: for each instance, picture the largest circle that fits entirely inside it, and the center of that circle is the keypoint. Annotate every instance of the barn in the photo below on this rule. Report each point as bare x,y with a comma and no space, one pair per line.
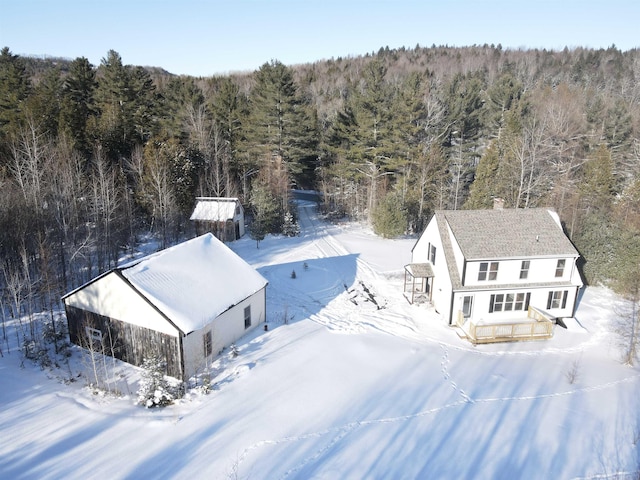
183,304
222,216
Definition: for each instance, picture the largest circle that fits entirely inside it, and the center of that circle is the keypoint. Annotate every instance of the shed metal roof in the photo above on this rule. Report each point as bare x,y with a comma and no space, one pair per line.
215,209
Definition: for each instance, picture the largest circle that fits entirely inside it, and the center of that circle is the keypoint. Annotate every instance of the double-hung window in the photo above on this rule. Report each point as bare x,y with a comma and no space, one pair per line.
432,254
488,271
557,299
524,269
560,268
509,302
247,316
207,344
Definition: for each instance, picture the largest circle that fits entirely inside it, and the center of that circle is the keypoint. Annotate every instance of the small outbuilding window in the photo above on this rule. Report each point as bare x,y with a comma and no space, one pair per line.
208,348
93,334
247,316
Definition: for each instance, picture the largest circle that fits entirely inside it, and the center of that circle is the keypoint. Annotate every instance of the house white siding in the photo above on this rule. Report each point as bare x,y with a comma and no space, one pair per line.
495,264
441,290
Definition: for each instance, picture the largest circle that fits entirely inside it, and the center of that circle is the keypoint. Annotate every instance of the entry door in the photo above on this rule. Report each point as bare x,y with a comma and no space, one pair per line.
467,306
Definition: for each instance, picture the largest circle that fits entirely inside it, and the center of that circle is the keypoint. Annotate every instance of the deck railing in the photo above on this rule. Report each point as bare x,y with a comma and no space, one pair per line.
536,326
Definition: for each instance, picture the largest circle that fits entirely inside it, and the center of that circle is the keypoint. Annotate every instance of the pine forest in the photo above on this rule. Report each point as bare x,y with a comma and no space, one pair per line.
95,159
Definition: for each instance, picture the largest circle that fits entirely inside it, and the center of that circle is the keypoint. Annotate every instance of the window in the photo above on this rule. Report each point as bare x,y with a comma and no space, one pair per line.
522,301
93,334
524,269
488,271
560,268
508,302
467,305
557,299
432,254
208,348
497,302
247,316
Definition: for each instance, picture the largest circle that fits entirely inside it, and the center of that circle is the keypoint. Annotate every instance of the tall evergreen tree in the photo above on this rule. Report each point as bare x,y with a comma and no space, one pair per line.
15,87
598,183
282,125
126,100
485,185
78,109
44,104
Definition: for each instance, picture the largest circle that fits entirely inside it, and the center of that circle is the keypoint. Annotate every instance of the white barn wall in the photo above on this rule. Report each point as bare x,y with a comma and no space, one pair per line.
112,297
226,329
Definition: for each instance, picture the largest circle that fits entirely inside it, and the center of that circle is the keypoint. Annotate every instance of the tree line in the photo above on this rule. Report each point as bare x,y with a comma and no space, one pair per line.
94,157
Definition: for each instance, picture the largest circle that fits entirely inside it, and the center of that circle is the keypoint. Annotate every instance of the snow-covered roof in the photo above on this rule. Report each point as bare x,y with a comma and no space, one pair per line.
215,209
194,282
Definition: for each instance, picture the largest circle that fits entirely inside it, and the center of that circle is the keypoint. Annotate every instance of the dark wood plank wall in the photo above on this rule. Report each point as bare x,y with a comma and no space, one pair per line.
127,342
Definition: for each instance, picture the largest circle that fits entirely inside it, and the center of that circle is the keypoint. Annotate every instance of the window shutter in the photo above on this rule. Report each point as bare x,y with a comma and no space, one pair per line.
549,300
564,299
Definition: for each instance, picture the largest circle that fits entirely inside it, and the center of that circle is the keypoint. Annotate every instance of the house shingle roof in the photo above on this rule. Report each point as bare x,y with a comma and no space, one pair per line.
508,233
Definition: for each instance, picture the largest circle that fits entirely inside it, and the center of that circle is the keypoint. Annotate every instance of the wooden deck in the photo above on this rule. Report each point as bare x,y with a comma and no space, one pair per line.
536,326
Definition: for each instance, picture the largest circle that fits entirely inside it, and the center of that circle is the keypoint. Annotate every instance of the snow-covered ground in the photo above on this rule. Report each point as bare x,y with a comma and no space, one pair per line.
350,381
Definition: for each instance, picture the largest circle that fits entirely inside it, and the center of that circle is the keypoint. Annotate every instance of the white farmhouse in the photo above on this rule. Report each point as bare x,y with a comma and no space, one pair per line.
183,304
499,268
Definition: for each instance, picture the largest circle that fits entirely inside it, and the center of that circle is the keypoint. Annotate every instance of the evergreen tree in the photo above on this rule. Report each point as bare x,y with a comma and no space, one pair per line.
290,227
266,207
15,87
485,185
78,109
154,388
390,218
125,97
598,184
282,125
45,102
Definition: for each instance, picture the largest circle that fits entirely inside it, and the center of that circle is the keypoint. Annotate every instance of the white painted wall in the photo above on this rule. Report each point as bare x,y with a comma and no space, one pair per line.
538,299
441,294
540,270
226,329
112,297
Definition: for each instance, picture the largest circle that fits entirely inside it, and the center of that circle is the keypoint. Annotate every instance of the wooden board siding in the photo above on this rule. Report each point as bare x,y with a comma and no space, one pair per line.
127,342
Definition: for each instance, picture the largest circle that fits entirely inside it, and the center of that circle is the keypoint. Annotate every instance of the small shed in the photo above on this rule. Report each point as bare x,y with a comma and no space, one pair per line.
222,216
183,304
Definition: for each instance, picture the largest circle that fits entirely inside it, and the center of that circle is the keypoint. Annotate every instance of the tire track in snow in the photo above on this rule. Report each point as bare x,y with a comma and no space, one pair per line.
383,320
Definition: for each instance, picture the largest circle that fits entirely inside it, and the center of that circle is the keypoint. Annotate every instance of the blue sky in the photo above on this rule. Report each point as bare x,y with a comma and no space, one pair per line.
207,37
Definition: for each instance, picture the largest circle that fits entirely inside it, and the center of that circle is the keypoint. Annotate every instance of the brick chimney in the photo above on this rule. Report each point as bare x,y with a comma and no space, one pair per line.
498,203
